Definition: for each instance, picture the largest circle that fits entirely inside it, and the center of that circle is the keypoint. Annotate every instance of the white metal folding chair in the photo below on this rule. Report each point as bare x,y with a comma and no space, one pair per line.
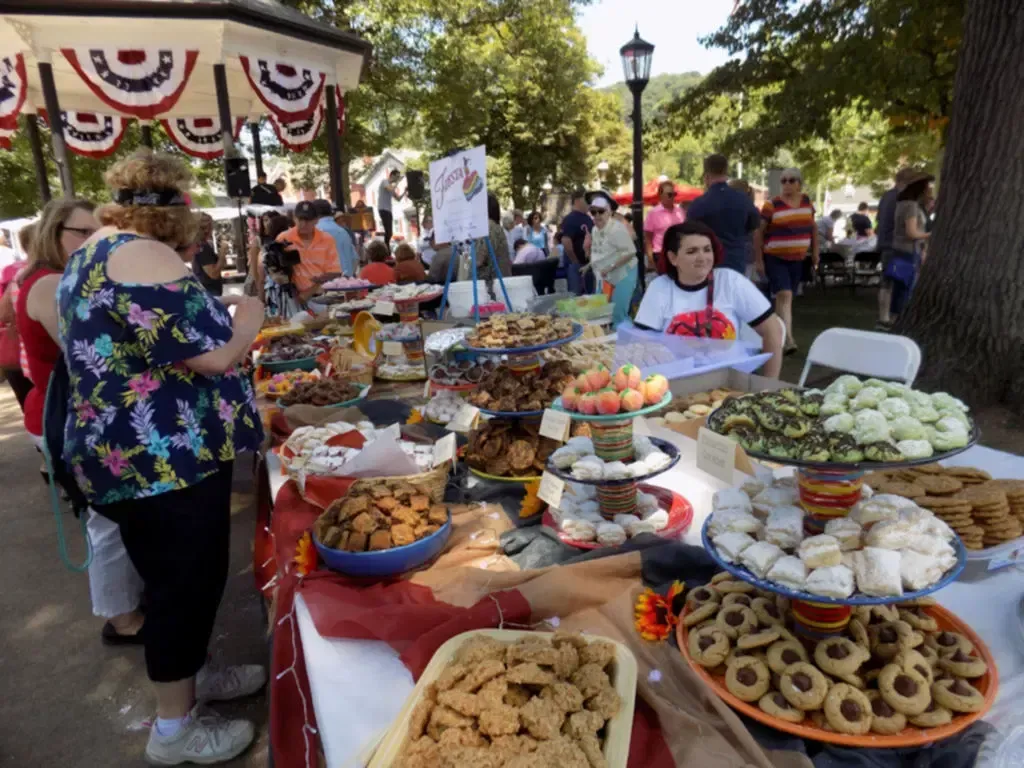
865,353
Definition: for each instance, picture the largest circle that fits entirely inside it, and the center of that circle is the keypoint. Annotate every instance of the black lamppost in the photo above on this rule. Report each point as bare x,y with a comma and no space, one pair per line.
636,65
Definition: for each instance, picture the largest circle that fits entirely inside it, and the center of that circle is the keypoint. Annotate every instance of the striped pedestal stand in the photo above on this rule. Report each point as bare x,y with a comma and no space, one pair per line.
826,495
613,441
817,621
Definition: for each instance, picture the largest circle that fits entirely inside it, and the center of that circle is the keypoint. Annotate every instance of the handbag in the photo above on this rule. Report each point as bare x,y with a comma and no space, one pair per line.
900,268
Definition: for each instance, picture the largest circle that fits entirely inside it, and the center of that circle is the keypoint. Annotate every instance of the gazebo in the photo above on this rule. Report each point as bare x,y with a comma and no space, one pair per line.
198,66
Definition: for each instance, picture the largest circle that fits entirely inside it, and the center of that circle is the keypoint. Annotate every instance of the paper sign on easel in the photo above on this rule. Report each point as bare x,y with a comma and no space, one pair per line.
458,196
716,454
555,425
551,489
465,419
444,449
384,308
392,348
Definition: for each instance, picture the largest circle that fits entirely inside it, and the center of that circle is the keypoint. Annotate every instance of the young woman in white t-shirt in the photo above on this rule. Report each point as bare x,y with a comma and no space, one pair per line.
693,298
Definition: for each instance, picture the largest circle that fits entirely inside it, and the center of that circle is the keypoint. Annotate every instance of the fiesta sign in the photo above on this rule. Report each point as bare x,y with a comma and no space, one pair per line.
458,197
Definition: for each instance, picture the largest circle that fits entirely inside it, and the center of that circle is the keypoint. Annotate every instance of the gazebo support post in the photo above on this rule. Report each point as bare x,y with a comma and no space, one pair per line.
36,143
334,150
60,150
146,134
257,148
220,81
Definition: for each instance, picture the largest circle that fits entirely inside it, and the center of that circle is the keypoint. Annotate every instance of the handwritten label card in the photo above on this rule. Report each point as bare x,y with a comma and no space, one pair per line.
551,489
555,425
426,388
384,308
716,454
391,348
465,419
444,449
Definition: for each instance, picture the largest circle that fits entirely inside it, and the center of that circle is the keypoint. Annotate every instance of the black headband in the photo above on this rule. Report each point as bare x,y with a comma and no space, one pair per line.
160,197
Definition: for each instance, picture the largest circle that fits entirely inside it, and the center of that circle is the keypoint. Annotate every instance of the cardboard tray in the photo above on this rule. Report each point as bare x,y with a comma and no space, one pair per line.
617,732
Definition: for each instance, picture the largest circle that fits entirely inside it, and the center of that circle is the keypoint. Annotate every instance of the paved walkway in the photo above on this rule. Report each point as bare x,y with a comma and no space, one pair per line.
67,699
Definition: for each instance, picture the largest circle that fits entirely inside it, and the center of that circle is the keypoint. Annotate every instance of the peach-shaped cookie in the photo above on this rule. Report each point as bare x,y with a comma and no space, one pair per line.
587,403
570,397
627,377
582,383
631,400
598,378
607,401
655,387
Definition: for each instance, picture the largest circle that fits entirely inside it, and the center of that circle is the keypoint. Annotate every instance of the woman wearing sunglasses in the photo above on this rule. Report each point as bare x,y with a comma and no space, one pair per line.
787,233
612,255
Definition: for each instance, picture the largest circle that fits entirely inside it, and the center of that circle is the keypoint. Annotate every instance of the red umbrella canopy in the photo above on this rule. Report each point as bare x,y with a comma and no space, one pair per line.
684,193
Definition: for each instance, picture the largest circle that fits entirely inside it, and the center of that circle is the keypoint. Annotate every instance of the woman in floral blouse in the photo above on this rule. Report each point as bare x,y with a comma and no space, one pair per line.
158,412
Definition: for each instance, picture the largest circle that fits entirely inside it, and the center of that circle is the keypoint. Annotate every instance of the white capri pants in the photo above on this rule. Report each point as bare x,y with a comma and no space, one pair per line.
115,587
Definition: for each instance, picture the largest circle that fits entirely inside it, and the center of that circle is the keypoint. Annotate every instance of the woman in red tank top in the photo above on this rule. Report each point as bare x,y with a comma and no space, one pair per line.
114,585
70,223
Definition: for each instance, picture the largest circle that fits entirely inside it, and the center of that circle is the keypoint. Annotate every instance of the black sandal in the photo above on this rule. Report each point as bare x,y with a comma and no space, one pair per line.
111,636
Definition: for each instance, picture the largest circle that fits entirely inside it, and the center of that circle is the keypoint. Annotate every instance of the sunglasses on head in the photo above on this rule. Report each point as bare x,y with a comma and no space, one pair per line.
597,211
789,181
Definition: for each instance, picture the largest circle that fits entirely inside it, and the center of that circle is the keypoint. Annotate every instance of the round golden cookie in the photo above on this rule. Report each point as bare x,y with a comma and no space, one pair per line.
725,587
768,612
758,639
859,634
969,473
912,659
839,656
703,595
929,469
933,716
939,485
848,710
785,653
804,686
739,653
863,614
775,704
918,619
721,576
908,490
962,664
700,613
709,647
936,503
855,680
945,642
885,612
747,678
904,689
957,695
736,620
892,637
928,654
884,719
737,598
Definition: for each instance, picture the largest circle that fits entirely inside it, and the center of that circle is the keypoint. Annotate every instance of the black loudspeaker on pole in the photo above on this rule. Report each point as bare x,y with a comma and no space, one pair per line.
416,184
236,171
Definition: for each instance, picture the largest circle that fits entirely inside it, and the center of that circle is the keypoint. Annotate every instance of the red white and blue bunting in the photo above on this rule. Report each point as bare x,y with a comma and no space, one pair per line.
6,137
89,134
296,136
199,136
13,88
291,93
142,83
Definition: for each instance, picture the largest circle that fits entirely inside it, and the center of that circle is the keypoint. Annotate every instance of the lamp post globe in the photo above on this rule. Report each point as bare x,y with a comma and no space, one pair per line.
636,67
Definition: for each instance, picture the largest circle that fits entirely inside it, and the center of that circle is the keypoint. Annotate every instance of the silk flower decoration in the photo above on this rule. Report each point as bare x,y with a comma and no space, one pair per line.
298,135
199,136
13,88
89,134
142,83
291,93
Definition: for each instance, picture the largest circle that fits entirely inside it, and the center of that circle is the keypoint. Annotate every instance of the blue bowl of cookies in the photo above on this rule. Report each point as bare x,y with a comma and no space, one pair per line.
378,535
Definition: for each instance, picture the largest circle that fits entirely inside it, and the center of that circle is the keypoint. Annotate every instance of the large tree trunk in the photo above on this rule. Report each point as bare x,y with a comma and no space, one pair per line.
967,312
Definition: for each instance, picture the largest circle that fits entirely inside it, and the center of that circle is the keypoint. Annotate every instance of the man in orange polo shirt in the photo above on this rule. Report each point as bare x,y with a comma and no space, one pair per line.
317,252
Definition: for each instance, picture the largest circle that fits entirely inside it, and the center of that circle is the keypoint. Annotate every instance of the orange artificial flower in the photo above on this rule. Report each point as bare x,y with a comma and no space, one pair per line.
656,615
415,417
305,555
531,504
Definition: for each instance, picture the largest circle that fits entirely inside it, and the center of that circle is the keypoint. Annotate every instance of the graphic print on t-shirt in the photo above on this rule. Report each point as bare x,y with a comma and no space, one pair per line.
696,324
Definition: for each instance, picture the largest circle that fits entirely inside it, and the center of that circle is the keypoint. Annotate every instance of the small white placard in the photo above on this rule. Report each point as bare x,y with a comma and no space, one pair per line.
465,419
426,388
384,308
392,348
716,454
551,489
444,449
555,425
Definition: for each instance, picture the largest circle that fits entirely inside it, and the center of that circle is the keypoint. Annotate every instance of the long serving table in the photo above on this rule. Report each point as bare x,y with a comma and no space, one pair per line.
358,686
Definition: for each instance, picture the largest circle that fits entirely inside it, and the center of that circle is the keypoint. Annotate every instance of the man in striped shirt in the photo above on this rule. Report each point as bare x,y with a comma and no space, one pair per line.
788,232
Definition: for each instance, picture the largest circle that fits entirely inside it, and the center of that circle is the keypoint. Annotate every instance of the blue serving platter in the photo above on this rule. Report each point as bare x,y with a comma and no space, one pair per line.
361,396
663,445
386,562
770,586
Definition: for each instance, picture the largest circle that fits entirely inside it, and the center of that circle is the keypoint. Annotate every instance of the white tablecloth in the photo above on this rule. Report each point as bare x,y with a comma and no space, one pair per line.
359,686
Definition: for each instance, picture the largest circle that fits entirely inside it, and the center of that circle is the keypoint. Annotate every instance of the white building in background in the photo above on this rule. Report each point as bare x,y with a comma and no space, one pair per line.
365,177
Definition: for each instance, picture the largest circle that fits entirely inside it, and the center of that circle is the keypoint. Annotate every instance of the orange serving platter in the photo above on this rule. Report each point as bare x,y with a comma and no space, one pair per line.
911,736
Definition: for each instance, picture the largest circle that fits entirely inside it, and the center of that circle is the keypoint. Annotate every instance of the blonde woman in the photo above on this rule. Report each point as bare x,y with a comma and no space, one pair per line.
158,412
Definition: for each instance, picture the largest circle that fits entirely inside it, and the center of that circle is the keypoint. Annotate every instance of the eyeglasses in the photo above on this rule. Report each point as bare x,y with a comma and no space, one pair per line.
83,231
789,181
597,211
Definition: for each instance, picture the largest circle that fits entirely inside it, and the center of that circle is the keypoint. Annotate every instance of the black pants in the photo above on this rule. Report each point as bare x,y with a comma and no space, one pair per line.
179,543
388,222
19,383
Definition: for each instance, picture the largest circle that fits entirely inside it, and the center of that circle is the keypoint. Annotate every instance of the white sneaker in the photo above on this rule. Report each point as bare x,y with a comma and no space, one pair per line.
225,683
207,738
